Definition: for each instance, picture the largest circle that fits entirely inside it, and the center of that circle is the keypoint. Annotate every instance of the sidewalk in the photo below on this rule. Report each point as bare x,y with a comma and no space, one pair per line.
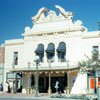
20,96
44,95
1,92
41,96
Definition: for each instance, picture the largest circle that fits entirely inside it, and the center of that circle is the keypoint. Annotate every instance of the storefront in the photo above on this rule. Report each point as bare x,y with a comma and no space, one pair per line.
27,78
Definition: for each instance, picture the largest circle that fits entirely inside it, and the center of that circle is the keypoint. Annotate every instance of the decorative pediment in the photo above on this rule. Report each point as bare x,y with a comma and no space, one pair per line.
51,15
41,17
50,22
64,13
40,13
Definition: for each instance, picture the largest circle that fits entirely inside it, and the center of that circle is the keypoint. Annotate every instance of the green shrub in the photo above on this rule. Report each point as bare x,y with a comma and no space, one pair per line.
83,97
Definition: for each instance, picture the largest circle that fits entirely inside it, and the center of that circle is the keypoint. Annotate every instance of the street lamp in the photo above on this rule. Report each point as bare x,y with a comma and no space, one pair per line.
37,60
13,66
49,89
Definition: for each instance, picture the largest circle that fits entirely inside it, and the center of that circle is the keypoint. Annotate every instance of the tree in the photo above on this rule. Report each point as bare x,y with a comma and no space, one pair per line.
90,65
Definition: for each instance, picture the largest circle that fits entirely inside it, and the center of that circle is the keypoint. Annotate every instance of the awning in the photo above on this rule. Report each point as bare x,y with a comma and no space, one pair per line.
61,47
40,49
50,48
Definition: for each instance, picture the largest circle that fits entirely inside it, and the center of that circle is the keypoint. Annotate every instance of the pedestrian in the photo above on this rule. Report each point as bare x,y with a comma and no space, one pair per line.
59,89
1,87
9,89
56,86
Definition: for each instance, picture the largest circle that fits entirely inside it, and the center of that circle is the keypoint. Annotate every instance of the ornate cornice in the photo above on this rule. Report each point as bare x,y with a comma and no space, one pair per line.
41,17
53,23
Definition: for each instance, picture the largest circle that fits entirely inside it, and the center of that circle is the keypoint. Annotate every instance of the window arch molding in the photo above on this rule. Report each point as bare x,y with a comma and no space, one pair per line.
50,51
40,48
61,52
50,48
61,47
40,51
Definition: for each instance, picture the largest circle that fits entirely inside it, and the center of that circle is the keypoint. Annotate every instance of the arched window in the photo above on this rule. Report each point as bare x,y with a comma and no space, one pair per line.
50,52
61,50
40,51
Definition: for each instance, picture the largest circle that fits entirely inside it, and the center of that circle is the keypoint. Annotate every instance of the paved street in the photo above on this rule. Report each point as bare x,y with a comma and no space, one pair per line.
35,99
20,96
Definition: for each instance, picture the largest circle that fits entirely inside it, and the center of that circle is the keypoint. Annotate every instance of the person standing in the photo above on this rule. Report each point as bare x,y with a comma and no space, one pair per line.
56,86
1,87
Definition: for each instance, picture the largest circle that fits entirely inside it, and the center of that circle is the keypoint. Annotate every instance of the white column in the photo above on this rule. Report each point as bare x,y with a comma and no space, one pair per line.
68,82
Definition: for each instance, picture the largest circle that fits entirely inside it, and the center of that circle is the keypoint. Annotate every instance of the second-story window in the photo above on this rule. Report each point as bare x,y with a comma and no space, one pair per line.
50,52
95,52
95,49
61,50
40,52
16,58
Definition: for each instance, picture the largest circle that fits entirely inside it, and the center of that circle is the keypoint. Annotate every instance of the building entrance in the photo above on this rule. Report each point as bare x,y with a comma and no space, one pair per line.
62,83
44,83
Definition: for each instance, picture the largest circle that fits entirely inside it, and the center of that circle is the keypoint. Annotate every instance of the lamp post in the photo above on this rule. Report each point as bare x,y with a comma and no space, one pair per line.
49,89
13,66
37,60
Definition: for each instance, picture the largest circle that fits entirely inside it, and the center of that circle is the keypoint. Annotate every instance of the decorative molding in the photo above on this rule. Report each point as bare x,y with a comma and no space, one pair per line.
87,37
40,13
52,16
53,23
64,13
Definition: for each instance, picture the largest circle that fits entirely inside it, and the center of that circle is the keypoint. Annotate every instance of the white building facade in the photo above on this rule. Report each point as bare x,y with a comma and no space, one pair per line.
54,38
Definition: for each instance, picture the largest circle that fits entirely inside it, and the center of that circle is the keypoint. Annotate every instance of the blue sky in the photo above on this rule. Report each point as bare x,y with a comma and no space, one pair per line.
15,15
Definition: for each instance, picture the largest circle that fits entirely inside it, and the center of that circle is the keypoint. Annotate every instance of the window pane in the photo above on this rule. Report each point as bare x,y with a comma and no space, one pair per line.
95,49
16,58
61,56
50,56
95,52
